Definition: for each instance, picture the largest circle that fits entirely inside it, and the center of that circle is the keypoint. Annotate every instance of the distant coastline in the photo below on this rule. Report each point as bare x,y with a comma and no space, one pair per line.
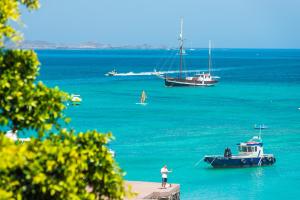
43,45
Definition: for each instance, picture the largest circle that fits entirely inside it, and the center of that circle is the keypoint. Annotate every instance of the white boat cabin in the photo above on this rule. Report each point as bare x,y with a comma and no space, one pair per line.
76,98
200,77
253,148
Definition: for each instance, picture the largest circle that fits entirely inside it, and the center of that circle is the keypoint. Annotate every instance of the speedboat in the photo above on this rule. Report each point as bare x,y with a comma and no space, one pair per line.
112,152
111,73
157,73
13,136
250,154
260,127
76,99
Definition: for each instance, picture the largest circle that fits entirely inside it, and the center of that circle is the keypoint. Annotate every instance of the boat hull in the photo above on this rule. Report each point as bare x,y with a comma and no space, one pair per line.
110,74
239,162
177,82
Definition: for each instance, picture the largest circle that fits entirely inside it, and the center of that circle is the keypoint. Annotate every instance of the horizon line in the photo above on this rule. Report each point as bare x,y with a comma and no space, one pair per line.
92,45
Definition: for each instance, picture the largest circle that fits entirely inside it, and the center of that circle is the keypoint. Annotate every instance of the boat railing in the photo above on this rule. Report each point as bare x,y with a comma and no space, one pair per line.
268,155
214,156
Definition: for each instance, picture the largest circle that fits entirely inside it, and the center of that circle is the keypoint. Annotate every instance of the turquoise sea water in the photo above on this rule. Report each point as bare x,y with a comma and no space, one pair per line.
181,125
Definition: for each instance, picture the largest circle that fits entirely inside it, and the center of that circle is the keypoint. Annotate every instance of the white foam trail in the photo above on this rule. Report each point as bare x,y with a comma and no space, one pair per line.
154,73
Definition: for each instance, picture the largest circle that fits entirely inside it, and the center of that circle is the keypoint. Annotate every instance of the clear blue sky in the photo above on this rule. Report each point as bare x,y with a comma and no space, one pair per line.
228,23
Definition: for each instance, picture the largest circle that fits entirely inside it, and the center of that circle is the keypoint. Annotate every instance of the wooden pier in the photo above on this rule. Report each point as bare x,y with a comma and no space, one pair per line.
153,190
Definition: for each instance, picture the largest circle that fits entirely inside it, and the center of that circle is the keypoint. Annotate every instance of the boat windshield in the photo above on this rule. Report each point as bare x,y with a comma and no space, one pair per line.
247,149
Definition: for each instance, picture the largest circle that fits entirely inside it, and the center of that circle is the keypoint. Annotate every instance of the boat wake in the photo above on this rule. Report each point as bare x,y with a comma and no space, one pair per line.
138,74
153,73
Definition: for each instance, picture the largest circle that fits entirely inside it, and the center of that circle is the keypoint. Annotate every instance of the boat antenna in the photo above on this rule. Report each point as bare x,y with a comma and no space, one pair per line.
209,56
181,46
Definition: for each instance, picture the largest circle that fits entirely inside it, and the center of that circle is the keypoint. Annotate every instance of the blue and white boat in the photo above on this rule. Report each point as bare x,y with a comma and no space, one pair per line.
251,154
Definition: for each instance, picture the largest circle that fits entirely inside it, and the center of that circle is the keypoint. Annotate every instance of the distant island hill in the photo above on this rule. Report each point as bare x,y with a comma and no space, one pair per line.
85,45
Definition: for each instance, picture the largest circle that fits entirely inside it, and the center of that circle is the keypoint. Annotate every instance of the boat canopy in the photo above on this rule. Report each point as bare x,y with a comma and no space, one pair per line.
250,144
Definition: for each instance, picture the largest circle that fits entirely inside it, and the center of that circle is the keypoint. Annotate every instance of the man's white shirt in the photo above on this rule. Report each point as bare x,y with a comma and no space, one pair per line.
164,172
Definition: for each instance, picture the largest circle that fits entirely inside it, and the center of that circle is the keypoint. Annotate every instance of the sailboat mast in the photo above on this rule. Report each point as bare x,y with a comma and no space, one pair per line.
181,47
209,56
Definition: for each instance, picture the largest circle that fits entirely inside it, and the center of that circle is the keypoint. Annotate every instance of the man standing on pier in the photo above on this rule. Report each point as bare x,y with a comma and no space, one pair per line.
164,175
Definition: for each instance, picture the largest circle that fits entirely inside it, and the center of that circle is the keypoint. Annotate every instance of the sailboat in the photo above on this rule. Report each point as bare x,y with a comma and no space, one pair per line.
201,79
143,98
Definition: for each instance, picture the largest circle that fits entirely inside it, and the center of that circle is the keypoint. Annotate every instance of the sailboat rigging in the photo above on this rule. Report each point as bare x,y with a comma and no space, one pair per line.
202,79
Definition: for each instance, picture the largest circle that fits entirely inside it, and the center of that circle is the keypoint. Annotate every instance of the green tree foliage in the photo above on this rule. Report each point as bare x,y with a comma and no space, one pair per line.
9,11
63,166
24,104
59,164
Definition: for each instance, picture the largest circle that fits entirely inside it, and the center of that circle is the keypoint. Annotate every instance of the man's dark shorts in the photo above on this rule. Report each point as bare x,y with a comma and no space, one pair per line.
164,180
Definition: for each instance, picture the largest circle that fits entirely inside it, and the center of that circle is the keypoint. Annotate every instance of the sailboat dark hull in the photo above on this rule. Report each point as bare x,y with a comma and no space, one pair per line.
180,82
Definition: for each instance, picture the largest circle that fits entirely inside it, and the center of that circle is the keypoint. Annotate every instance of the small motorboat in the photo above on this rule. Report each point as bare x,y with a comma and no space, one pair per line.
112,152
112,73
157,73
13,136
76,99
250,154
260,127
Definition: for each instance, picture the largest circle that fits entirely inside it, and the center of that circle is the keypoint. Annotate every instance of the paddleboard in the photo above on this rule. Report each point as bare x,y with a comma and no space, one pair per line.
143,104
